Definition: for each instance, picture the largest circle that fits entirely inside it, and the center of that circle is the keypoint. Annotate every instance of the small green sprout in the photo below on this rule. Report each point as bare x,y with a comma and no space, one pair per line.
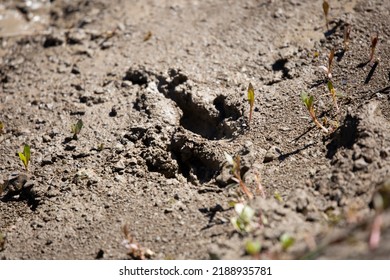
243,222
25,156
286,241
76,128
333,94
347,34
236,172
251,100
100,147
325,7
1,127
253,248
277,196
374,42
309,103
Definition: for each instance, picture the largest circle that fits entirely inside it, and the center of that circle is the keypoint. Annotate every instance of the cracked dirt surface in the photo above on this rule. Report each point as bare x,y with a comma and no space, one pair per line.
161,88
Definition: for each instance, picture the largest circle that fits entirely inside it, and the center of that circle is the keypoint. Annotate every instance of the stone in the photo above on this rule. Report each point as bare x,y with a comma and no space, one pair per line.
119,166
15,183
47,160
272,154
360,164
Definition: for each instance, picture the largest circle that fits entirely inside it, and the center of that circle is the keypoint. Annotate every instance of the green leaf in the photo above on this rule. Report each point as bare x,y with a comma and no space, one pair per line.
307,100
251,99
231,203
330,86
237,226
26,152
252,247
304,98
278,197
287,241
25,156
251,94
22,158
76,128
311,99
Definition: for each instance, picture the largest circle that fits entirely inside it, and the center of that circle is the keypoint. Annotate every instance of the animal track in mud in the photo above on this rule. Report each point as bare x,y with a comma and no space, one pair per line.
197,158
197,119
206,120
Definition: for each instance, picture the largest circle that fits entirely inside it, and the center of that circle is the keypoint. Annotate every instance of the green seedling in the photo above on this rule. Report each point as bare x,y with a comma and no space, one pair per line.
251,100
347,34
325,8
332,92
236,172
253,248
100,147
374,42
243,222
309,103
76,128
286,241
1,127
328,70
25,156
278,197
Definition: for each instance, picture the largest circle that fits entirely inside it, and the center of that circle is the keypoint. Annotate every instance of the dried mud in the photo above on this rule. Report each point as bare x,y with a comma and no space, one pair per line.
161,90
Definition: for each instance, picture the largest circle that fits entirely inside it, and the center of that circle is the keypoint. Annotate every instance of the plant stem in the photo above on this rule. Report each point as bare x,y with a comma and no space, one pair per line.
242,184
315,120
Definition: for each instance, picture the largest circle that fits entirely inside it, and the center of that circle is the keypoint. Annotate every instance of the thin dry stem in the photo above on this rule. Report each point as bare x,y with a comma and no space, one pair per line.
325,7
330,61
259,185
374,42
239,180
347,34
